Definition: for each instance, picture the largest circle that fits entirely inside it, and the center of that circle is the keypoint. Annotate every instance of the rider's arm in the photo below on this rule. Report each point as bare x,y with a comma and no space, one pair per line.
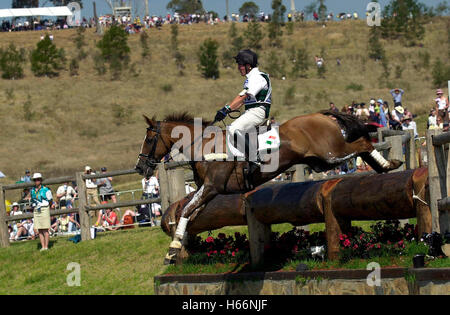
237,102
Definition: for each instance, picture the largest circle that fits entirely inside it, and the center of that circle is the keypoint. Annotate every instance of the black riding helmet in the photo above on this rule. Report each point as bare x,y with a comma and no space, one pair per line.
245,57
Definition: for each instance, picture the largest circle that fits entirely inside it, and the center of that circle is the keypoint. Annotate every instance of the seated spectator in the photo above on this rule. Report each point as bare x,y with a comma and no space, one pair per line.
107,219
15,210
65,194
74,225
333,107
25,229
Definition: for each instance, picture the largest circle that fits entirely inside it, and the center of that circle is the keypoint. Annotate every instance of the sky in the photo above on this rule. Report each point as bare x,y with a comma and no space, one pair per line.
158,7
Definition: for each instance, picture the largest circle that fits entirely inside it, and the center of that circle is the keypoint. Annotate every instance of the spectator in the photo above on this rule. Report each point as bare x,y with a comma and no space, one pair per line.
150,187
383,120
42,201
105,187
91,189
25,229
442,105
408,123
397,116
66,194
108,219
333,107
364,113
27,177
432,121
74,225
15,209
319,61
397,96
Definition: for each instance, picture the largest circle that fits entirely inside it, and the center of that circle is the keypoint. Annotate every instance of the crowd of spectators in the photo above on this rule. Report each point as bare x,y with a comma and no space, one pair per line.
39,200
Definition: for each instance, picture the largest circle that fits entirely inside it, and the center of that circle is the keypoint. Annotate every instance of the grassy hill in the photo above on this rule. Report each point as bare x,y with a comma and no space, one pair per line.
79,120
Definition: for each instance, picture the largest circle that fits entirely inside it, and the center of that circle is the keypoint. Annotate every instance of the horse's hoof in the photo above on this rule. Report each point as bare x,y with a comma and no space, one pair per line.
174,250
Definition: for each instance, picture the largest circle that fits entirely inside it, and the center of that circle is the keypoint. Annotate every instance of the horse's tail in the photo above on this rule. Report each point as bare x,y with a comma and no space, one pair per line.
354,128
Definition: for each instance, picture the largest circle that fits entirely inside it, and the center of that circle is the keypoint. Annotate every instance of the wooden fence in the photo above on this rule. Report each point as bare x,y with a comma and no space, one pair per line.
172,178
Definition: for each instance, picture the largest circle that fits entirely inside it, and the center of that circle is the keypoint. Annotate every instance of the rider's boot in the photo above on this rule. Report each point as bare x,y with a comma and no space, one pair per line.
175,245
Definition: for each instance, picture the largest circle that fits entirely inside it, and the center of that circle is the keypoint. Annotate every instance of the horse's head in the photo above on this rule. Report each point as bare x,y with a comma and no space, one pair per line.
153,149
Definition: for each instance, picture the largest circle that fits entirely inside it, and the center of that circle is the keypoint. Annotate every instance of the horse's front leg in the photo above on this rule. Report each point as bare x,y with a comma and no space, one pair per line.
201,197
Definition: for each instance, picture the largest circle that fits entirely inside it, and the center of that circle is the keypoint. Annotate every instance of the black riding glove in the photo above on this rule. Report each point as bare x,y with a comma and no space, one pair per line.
222,114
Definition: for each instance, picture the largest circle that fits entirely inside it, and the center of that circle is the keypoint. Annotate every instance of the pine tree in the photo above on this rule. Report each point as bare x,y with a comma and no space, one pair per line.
254,35
46,59
114,50
11,62
275,31
300,61
375,49
209,65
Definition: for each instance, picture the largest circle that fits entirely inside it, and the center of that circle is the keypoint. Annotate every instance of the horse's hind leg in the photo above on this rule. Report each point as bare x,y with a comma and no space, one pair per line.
371,156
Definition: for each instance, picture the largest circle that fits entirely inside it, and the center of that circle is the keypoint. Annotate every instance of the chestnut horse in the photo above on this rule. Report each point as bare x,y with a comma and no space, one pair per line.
321,140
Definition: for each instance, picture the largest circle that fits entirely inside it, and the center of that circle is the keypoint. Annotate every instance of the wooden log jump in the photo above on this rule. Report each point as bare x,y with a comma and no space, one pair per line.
398,195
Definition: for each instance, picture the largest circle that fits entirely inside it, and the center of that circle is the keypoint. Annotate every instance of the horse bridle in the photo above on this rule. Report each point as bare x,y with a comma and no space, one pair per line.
150,160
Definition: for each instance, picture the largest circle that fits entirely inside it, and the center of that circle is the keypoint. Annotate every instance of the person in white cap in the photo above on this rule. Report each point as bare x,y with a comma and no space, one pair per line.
42,201
91,190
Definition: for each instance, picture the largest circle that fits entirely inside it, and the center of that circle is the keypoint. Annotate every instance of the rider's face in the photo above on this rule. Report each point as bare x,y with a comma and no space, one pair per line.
242,69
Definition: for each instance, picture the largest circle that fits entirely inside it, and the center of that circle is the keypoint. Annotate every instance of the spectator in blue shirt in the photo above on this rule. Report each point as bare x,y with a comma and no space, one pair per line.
397,95
27,177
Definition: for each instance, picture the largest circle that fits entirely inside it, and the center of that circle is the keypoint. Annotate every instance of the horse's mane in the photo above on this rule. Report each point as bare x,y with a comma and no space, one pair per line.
184,117
352,125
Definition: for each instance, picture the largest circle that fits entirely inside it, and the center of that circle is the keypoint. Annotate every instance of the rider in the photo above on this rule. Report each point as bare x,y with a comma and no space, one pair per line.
256,96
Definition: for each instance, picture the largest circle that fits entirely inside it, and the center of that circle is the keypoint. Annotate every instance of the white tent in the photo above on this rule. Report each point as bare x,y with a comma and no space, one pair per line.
48,11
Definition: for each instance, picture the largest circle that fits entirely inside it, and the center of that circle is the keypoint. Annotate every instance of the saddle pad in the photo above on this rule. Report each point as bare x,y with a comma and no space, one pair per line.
269,140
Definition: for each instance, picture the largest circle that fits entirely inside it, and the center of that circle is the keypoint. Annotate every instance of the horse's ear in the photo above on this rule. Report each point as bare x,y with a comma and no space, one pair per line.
149,121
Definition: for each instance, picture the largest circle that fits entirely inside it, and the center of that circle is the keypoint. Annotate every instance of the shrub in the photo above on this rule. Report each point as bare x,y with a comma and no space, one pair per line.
11,62
114,50
276,65
46,59
440,73
300,61
28,113
275,31
355,87
289,95
375,48
80,43
144,44
167,87
74,67
209,65
174,37
254,35
122,115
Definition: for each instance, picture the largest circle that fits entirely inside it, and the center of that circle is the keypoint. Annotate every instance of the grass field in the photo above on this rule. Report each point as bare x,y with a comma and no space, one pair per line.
124,262
77,120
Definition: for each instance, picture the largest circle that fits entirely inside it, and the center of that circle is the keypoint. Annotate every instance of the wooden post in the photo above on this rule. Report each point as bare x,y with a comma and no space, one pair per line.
410,151
164,192
4,235
396,151
258,235
433,178
299,176
380,139
82,203
176,185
